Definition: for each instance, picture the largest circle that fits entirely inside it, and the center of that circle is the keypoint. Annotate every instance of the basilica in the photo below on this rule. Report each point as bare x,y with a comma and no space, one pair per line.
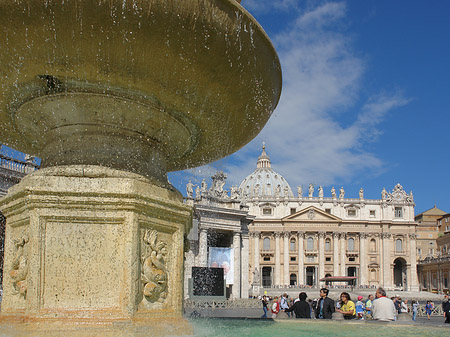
267,236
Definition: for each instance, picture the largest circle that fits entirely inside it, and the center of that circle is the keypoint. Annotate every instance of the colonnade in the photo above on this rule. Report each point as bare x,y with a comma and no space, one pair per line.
384,250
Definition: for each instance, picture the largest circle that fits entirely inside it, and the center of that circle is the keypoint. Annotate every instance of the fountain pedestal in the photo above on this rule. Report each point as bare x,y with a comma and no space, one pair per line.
92,244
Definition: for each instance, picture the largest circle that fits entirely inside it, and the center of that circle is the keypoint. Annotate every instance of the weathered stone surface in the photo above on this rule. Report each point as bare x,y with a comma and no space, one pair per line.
95,243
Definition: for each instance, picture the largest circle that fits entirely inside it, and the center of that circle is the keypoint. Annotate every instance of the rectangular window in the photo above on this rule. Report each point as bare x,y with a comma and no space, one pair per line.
447,228
328,210
446,219
267,258
293,210
267,211
351,212
351,259
310,259
293,259
328,259
419,251
372,213
398,212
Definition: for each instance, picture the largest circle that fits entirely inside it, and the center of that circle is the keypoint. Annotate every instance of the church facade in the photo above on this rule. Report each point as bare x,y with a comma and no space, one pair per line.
282,239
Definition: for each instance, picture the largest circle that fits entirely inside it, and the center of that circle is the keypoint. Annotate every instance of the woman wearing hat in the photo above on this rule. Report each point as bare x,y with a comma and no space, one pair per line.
359,307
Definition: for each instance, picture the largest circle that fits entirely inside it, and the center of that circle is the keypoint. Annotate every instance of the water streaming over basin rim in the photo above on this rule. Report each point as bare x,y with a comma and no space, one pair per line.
298,327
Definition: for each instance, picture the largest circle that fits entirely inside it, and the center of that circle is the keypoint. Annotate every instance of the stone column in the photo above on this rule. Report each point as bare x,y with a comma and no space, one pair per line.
277,259
413,282
237,265
244,266
256,255
286,259
321,256
335,254
343,255
362,259
301,257
203,248
386,260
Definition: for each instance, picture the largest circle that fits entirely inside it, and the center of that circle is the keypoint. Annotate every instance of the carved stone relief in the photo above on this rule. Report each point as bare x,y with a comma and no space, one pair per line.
154,276
19,270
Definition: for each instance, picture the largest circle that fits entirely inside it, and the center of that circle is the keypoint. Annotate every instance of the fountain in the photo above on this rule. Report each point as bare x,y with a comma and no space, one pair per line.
113,94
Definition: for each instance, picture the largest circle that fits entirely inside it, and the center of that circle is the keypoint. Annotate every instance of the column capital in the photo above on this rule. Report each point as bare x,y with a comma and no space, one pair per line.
301,234
321,235
344,235
286,234
336,235
255,235
277,234
363,235
412,236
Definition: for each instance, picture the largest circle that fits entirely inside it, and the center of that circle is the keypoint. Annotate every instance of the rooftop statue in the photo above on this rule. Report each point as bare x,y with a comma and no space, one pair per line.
341,193
333,192
299,191
310,190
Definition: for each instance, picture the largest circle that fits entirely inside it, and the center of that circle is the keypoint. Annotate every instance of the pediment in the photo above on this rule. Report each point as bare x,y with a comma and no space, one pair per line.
311,214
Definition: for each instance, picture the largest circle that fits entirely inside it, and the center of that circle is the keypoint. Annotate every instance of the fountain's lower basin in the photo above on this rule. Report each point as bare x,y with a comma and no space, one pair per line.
309,327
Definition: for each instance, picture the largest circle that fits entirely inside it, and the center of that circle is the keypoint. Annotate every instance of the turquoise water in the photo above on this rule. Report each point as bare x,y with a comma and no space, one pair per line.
287,328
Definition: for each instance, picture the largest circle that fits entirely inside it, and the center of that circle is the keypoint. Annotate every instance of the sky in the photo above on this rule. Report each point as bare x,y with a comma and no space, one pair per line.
365,99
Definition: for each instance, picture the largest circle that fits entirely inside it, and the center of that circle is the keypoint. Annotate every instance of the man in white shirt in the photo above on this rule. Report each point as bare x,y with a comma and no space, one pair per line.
383,308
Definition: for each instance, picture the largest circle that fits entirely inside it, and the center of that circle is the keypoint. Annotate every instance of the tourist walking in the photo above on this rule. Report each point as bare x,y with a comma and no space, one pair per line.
429,308
383,308
265,303
325,306
284,304
347,306
415,308
301,308
404,307
446,309
275,307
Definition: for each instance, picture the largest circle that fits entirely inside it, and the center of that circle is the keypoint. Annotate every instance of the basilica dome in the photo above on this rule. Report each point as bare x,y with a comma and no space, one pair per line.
264,181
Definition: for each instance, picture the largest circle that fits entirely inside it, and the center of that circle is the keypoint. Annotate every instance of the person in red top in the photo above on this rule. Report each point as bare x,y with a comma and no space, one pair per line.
275,307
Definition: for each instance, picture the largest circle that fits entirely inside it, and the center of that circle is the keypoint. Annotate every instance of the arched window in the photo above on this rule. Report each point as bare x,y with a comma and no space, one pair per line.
310,244
373,245
398,245
266,244
351,244
327,245
292,246
373,275
293,280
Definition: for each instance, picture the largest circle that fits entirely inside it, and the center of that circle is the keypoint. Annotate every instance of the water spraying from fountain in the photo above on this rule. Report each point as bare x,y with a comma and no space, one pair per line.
112,95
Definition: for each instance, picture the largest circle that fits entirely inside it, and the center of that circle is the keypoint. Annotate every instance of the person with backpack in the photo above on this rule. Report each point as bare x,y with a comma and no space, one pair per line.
284,304
275,307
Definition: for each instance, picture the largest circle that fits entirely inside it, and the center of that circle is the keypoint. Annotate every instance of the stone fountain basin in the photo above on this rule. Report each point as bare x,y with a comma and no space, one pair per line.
174,83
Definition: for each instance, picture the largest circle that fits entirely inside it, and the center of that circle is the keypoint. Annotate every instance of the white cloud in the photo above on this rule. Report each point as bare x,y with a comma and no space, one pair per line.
322,79
318,132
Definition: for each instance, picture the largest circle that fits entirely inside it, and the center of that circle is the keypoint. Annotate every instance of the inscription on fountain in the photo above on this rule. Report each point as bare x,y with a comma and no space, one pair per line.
82,265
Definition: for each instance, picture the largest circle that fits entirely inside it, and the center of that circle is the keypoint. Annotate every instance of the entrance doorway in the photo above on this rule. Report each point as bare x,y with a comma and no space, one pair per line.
351,271
400,273
266,276
310,276
293,280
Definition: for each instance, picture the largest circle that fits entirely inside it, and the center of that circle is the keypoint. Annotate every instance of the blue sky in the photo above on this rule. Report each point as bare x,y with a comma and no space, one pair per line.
365,99
366,93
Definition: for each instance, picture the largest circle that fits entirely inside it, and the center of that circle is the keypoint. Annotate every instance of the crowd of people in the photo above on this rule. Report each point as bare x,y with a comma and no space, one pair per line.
378,307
